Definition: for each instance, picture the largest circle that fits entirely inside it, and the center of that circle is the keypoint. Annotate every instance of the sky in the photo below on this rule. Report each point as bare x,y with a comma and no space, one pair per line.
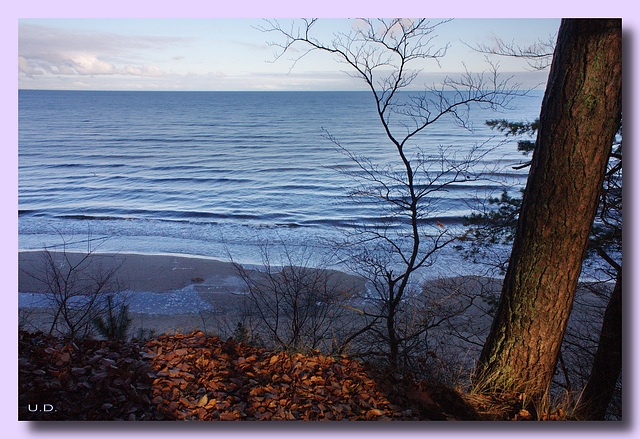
234,54
12,19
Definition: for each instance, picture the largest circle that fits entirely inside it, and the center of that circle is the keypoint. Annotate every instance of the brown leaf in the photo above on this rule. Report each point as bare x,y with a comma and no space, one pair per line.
79,370
523,415
201,413
185,402
203,401
228,416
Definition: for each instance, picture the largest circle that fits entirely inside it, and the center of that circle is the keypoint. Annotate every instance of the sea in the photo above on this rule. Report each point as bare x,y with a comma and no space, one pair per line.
218,174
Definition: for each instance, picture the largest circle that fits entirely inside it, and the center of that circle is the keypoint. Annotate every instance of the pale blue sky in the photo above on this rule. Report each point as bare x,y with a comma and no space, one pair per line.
229,54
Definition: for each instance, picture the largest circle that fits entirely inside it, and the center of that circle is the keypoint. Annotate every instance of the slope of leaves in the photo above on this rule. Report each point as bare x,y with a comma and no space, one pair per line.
200,377
81,380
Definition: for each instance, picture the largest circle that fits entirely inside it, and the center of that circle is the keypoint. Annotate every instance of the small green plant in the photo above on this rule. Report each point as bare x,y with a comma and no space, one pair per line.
145,334
244,335
116,324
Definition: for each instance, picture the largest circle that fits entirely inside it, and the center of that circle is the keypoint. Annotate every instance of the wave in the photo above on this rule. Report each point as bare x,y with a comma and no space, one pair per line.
198,180
256,220
190,166
82,217
159,215
33,212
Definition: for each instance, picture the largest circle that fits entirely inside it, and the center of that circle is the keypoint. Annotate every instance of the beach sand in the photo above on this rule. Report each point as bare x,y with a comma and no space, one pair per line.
167,293
173,293
137,272
180,294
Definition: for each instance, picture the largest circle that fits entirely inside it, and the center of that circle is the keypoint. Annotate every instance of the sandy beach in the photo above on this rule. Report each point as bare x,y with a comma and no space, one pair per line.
166,293
170,294
138,272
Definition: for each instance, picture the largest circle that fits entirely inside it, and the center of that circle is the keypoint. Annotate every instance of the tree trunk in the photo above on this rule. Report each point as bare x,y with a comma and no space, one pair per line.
391,331
578,122
607,363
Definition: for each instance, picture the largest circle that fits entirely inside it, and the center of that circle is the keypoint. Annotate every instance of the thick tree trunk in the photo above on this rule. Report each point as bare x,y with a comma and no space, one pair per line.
578,122
607,363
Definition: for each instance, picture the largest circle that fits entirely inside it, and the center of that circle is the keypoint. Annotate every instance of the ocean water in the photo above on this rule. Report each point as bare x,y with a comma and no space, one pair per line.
199,173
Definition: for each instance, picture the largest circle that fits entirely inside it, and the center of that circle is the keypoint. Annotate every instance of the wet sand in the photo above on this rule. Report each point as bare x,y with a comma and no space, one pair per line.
137,272
166,293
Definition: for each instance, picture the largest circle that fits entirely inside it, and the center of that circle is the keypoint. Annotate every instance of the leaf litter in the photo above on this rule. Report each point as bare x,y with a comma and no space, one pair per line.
202,378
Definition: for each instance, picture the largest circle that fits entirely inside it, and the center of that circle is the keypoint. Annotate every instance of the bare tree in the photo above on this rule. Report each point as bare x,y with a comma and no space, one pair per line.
388,55
538,55
295,303
78,288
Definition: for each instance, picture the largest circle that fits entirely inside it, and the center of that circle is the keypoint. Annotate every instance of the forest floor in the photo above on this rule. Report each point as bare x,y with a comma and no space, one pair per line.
200,377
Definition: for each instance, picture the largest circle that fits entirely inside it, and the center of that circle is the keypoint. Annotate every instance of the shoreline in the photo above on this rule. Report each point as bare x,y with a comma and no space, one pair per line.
154,284
138,272
166,292
172,292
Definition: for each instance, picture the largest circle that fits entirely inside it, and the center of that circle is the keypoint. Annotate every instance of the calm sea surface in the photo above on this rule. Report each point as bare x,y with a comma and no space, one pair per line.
191,172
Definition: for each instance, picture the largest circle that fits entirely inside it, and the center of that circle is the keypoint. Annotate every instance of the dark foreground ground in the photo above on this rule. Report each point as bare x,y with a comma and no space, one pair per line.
199,377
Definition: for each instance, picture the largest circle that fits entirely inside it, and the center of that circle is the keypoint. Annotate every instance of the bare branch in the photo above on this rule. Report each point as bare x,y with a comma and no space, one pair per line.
388,55
538,55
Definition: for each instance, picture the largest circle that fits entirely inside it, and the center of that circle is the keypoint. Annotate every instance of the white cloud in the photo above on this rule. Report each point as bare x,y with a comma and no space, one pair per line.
85,64
146,71
46,50
24,66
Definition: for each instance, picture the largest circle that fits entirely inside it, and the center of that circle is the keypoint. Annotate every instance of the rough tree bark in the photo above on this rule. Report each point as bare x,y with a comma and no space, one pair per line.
578,122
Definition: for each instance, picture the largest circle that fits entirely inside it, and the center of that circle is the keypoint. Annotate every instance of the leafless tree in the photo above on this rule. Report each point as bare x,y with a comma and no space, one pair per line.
388,55
78,288
295,303
538,55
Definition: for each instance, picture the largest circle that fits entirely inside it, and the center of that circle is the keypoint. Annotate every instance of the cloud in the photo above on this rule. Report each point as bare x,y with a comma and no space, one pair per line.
46,50
85,64
33,38
25,67
146,70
